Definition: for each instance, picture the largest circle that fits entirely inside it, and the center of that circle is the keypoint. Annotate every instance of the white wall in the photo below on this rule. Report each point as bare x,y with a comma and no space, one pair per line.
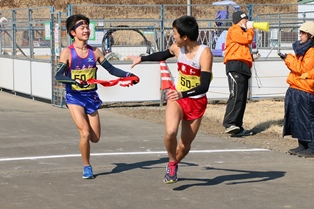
22,76
41,76
148,89
35,78
268,81
6,73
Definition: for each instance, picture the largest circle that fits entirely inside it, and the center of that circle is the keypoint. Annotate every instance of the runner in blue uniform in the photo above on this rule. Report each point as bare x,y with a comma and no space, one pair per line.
77,64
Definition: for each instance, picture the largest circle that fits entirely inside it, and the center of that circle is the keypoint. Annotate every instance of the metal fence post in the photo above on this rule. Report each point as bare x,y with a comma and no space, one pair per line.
31,34
162,27
14,32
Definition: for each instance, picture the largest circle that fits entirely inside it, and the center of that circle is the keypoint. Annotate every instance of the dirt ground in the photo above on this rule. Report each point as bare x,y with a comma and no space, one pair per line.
263,117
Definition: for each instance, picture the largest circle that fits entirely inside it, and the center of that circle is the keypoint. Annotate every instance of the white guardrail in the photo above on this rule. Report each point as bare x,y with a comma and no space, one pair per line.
35,79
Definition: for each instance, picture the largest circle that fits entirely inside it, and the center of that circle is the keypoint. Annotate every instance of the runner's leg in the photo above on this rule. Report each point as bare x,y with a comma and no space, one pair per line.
95,130
188,133
173,117
81,121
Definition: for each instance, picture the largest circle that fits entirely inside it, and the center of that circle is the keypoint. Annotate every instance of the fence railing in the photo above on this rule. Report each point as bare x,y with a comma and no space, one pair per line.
38,34
127,29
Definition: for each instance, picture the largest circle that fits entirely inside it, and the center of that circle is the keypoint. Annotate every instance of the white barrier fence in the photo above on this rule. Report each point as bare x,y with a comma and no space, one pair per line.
36,79
27,77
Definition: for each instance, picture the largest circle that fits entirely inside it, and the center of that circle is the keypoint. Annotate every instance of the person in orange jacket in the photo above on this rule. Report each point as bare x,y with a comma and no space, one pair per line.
299,99
238,61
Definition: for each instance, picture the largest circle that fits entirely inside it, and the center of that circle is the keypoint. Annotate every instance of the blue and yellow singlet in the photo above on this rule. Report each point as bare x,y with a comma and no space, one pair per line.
81,68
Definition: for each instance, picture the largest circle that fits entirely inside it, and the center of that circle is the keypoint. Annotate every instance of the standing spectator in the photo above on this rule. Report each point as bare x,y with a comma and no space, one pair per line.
299,99
238,60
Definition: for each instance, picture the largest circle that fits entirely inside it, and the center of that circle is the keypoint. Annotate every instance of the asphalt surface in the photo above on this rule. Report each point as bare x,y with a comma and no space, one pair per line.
41,167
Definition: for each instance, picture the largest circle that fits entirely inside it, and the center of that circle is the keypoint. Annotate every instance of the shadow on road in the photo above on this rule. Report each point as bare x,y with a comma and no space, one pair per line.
122,167
241,177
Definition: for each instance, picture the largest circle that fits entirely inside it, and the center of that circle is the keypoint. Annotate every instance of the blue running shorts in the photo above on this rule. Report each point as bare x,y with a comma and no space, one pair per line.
90,101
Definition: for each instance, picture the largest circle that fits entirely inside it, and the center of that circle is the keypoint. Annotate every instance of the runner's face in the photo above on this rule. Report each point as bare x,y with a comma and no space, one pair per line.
178,40
82,32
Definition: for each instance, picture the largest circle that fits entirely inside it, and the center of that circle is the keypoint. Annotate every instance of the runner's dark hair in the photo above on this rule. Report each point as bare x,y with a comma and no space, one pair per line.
72,20
186,26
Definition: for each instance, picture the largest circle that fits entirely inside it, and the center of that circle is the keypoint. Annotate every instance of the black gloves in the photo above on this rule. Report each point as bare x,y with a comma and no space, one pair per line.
282,56
132,75
81,83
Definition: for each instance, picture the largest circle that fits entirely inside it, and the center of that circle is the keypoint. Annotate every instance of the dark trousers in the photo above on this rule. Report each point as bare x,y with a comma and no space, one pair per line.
236,104
299,115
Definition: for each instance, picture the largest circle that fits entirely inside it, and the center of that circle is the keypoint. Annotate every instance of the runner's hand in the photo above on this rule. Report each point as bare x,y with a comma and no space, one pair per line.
81,83
173,95
135,81
136,60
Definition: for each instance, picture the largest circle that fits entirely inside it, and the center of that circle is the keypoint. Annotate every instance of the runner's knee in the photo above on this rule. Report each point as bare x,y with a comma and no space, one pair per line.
85,135
171,134
95,139
184,146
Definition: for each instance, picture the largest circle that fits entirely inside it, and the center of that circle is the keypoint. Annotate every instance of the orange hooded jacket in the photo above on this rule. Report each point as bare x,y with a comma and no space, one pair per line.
237,45
298,66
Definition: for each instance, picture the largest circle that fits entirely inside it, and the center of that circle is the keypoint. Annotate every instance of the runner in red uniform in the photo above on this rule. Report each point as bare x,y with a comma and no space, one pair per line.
187,100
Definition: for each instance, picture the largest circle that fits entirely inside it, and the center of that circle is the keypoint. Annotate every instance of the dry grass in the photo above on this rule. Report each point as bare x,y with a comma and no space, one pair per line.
264,116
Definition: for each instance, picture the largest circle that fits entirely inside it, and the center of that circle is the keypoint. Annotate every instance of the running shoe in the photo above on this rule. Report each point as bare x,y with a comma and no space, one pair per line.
88,172
232,129
171,173
242,133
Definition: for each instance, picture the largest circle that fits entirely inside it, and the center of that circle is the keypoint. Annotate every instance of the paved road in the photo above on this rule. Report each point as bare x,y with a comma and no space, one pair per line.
41,167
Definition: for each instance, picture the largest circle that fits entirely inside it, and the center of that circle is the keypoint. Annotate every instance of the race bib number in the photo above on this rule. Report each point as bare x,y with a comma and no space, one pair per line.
83,74
186,82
